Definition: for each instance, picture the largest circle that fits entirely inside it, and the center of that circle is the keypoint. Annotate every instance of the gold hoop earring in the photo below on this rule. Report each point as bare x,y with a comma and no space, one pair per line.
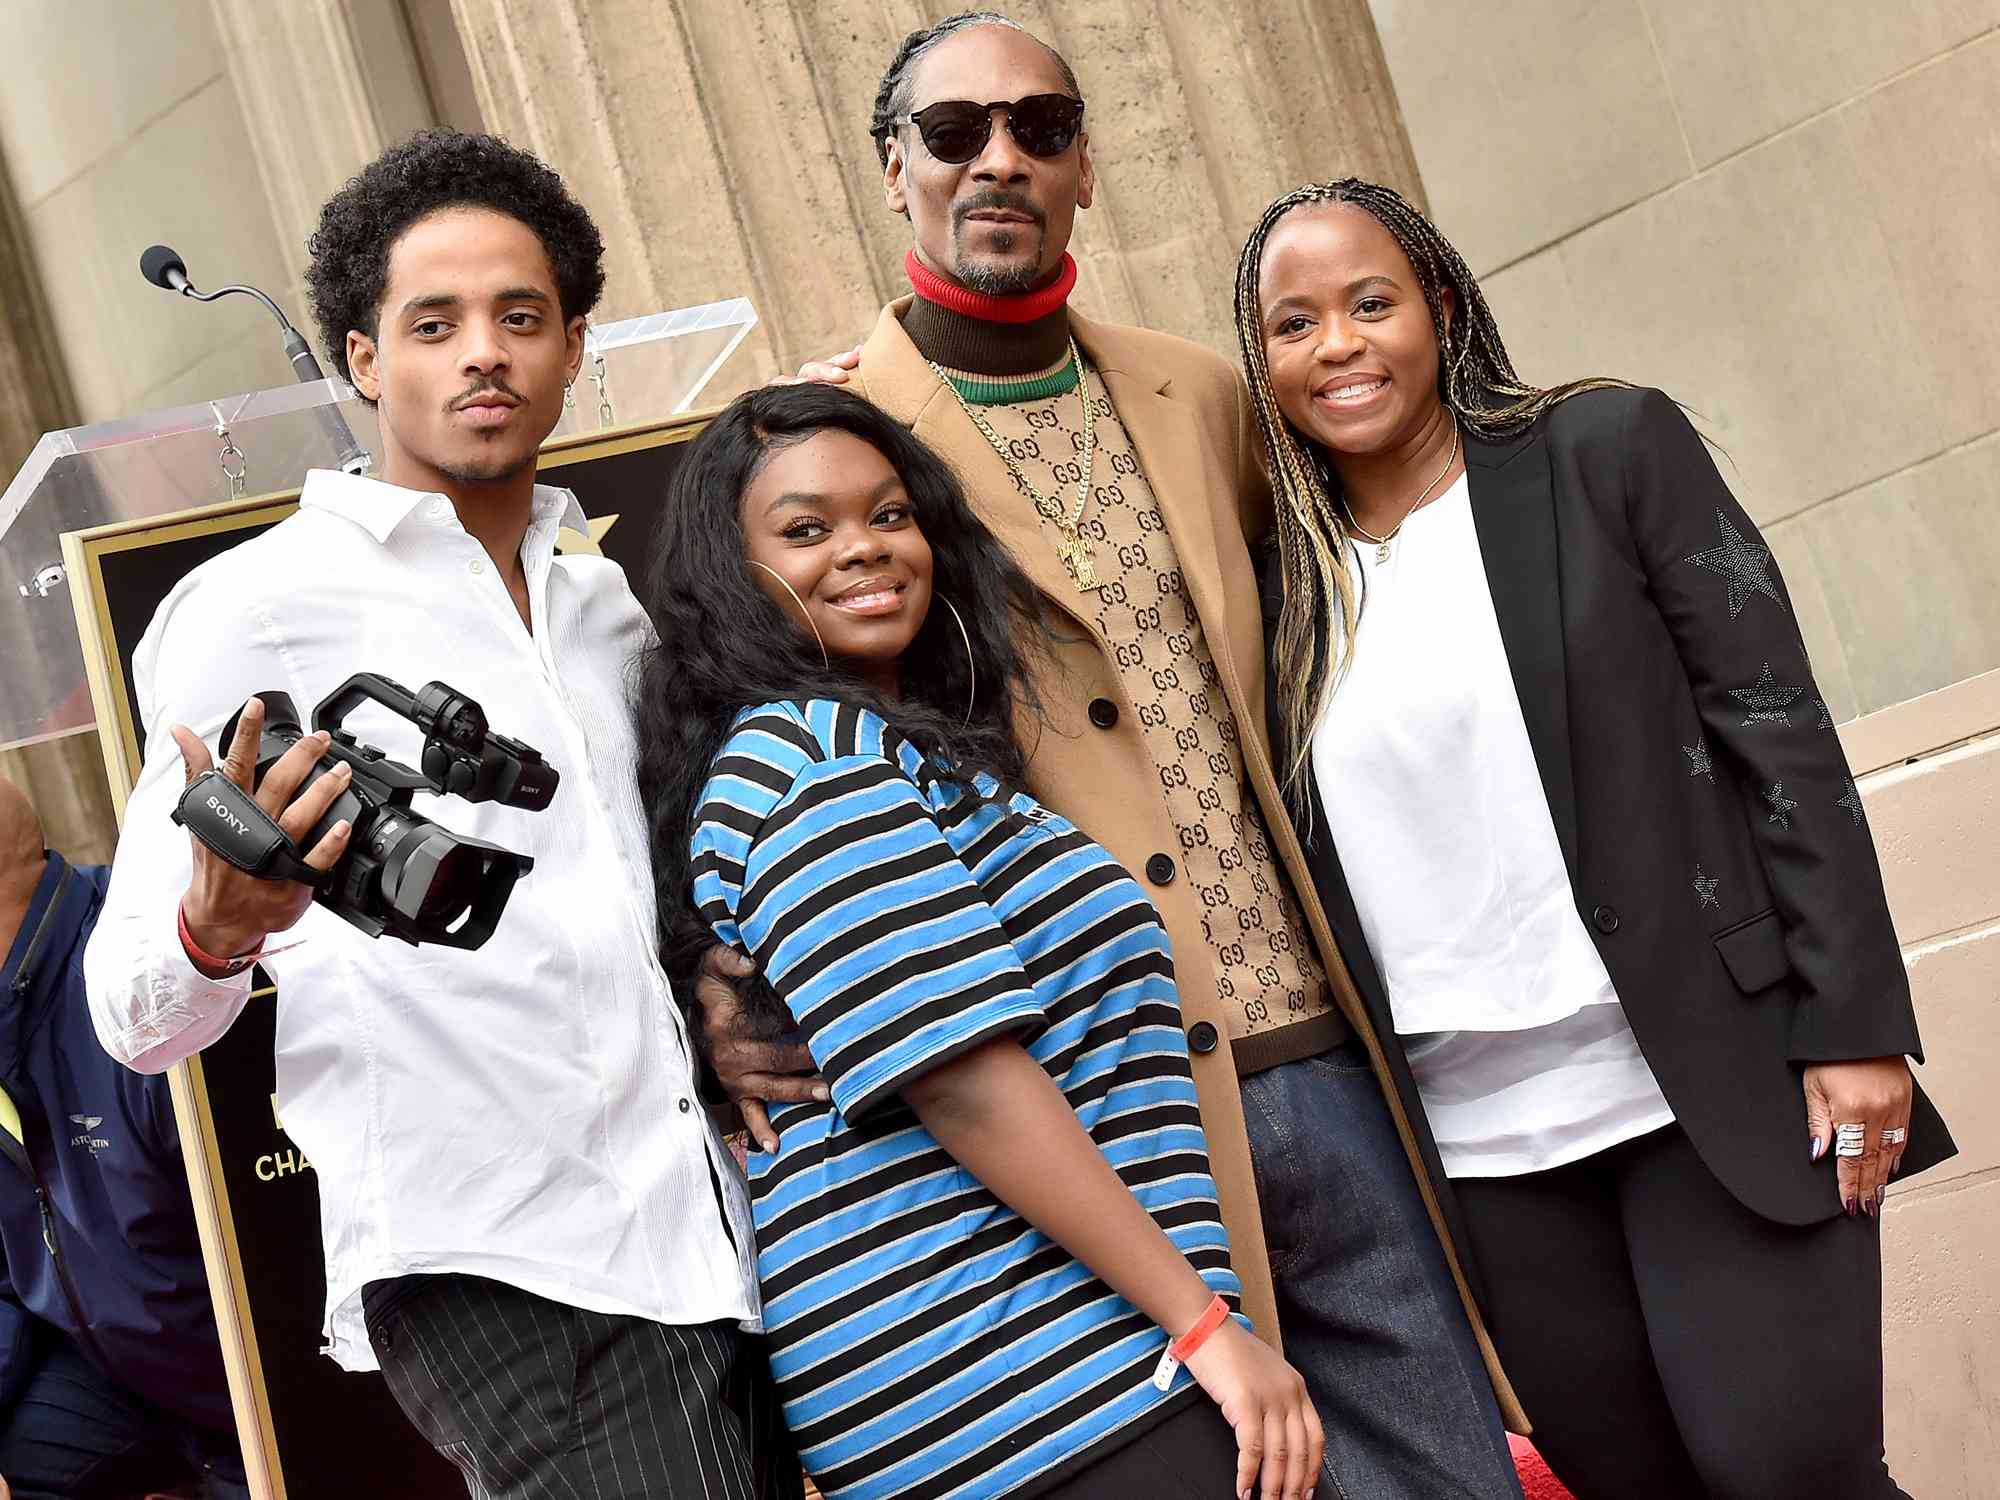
971,666
825,660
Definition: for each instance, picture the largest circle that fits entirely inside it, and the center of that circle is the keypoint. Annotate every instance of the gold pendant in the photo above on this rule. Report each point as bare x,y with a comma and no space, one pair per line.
1382,552
1075,553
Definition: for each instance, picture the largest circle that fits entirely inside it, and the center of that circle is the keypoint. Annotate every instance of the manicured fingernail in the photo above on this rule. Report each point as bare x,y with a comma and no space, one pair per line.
1881,1196
1816,1147
1848,1204
822,1092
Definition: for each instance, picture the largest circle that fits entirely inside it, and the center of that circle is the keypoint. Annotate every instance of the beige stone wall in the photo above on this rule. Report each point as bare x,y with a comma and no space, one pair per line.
1786,214
1934,823
216,126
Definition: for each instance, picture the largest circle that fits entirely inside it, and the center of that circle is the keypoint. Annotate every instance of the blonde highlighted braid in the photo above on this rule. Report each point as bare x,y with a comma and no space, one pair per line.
1476,382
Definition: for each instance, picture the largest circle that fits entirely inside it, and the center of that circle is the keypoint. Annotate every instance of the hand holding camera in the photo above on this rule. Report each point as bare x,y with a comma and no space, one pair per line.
297,817
227,910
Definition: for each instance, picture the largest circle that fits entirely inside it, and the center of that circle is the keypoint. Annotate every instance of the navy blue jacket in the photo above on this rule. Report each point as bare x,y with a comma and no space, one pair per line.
97,1232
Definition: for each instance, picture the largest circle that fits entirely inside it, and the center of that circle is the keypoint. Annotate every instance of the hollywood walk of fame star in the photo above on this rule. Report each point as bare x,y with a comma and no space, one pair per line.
1699,761
1851,800
1766,701
1742,562
1781,806
1704,887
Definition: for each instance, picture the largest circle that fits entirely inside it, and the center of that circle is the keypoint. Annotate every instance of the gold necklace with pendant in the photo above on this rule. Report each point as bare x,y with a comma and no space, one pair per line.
1072,549
1382,542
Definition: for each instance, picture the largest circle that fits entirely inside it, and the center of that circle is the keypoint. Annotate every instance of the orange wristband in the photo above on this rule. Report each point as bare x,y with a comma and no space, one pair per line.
206,960
1184,1347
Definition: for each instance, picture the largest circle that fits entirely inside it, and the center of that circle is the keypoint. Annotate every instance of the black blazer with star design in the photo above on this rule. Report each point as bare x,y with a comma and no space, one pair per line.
1715,843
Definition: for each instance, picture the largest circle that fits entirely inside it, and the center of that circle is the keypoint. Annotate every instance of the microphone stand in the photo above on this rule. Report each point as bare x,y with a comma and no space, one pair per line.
349,455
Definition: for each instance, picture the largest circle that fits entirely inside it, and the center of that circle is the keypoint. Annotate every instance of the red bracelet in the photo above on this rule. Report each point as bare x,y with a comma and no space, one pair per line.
1183,1348
205,960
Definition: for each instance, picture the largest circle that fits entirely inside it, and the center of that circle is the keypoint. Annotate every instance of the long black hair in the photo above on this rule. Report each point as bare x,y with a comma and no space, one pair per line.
724,645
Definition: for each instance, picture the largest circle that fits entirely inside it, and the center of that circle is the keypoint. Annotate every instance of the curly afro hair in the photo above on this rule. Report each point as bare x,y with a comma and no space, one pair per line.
432,170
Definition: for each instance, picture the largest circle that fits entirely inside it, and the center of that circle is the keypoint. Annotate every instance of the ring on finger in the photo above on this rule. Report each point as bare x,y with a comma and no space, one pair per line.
1850,1139
1895,1135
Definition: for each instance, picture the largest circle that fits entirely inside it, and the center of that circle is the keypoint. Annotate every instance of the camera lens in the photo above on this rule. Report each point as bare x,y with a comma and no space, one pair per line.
453,886
431,878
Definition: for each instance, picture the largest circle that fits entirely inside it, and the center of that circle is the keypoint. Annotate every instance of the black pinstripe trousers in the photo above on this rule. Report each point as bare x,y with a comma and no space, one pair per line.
533,1400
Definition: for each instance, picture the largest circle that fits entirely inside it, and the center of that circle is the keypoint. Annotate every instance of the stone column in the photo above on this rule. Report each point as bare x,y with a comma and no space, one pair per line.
64,778
35,395
699,136
324,86
723,146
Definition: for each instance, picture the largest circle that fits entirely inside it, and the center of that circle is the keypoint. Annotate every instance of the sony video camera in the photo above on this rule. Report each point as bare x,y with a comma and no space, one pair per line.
402,873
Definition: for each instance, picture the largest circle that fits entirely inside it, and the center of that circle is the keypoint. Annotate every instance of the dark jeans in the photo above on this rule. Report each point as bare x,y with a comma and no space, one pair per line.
1370,1314
1669,1344
77,1434
533,1400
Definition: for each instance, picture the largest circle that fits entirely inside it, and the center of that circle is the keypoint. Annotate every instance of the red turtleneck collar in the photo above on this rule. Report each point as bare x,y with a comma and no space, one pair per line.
1024,308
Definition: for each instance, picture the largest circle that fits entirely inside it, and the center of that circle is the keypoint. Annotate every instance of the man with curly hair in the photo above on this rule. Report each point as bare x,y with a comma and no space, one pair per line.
529,1222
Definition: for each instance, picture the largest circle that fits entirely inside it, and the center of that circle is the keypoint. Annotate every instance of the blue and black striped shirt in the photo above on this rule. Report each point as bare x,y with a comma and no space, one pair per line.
928,1341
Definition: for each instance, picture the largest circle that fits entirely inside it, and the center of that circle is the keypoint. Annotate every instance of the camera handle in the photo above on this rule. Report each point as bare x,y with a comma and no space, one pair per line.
364,687
461,755
229,822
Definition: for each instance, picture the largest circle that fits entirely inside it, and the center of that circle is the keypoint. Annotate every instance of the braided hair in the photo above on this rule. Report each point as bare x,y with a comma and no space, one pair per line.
1476,382
893,97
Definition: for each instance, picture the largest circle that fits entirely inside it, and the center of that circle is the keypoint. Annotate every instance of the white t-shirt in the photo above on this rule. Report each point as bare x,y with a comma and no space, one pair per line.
1519,1046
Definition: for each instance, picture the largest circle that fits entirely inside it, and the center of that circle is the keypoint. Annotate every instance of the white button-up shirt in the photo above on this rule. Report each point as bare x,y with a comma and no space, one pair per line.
525,1112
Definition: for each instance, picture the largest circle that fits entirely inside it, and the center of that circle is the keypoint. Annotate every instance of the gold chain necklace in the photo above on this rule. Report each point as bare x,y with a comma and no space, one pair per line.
1382,542
1073,549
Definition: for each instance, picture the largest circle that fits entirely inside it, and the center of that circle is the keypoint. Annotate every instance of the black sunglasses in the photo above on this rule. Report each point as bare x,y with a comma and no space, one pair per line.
957,130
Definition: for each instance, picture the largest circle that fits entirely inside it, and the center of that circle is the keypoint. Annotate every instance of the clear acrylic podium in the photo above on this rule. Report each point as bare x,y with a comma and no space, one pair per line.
99,526
637,371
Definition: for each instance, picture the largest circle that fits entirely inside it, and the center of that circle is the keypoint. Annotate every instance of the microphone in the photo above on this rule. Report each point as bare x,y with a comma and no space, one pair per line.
163,267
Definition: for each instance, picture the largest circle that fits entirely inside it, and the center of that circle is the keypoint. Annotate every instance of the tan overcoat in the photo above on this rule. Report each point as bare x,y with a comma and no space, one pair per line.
1188,415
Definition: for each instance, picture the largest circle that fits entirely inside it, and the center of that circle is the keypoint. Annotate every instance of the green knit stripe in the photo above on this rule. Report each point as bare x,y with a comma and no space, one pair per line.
983,391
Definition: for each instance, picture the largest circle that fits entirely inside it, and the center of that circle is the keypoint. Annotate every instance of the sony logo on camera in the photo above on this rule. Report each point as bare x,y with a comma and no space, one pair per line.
221,809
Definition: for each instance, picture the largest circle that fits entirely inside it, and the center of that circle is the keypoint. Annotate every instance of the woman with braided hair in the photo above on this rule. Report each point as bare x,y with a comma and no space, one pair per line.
1596,861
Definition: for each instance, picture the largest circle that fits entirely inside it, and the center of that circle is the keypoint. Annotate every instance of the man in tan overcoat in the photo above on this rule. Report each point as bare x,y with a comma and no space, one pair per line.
1121,468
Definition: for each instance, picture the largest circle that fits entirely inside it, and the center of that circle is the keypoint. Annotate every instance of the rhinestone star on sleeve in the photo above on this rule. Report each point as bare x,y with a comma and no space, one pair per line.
1766,701
1740,561
1700,763
1781,806
1825,714
1851,800
1704,887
